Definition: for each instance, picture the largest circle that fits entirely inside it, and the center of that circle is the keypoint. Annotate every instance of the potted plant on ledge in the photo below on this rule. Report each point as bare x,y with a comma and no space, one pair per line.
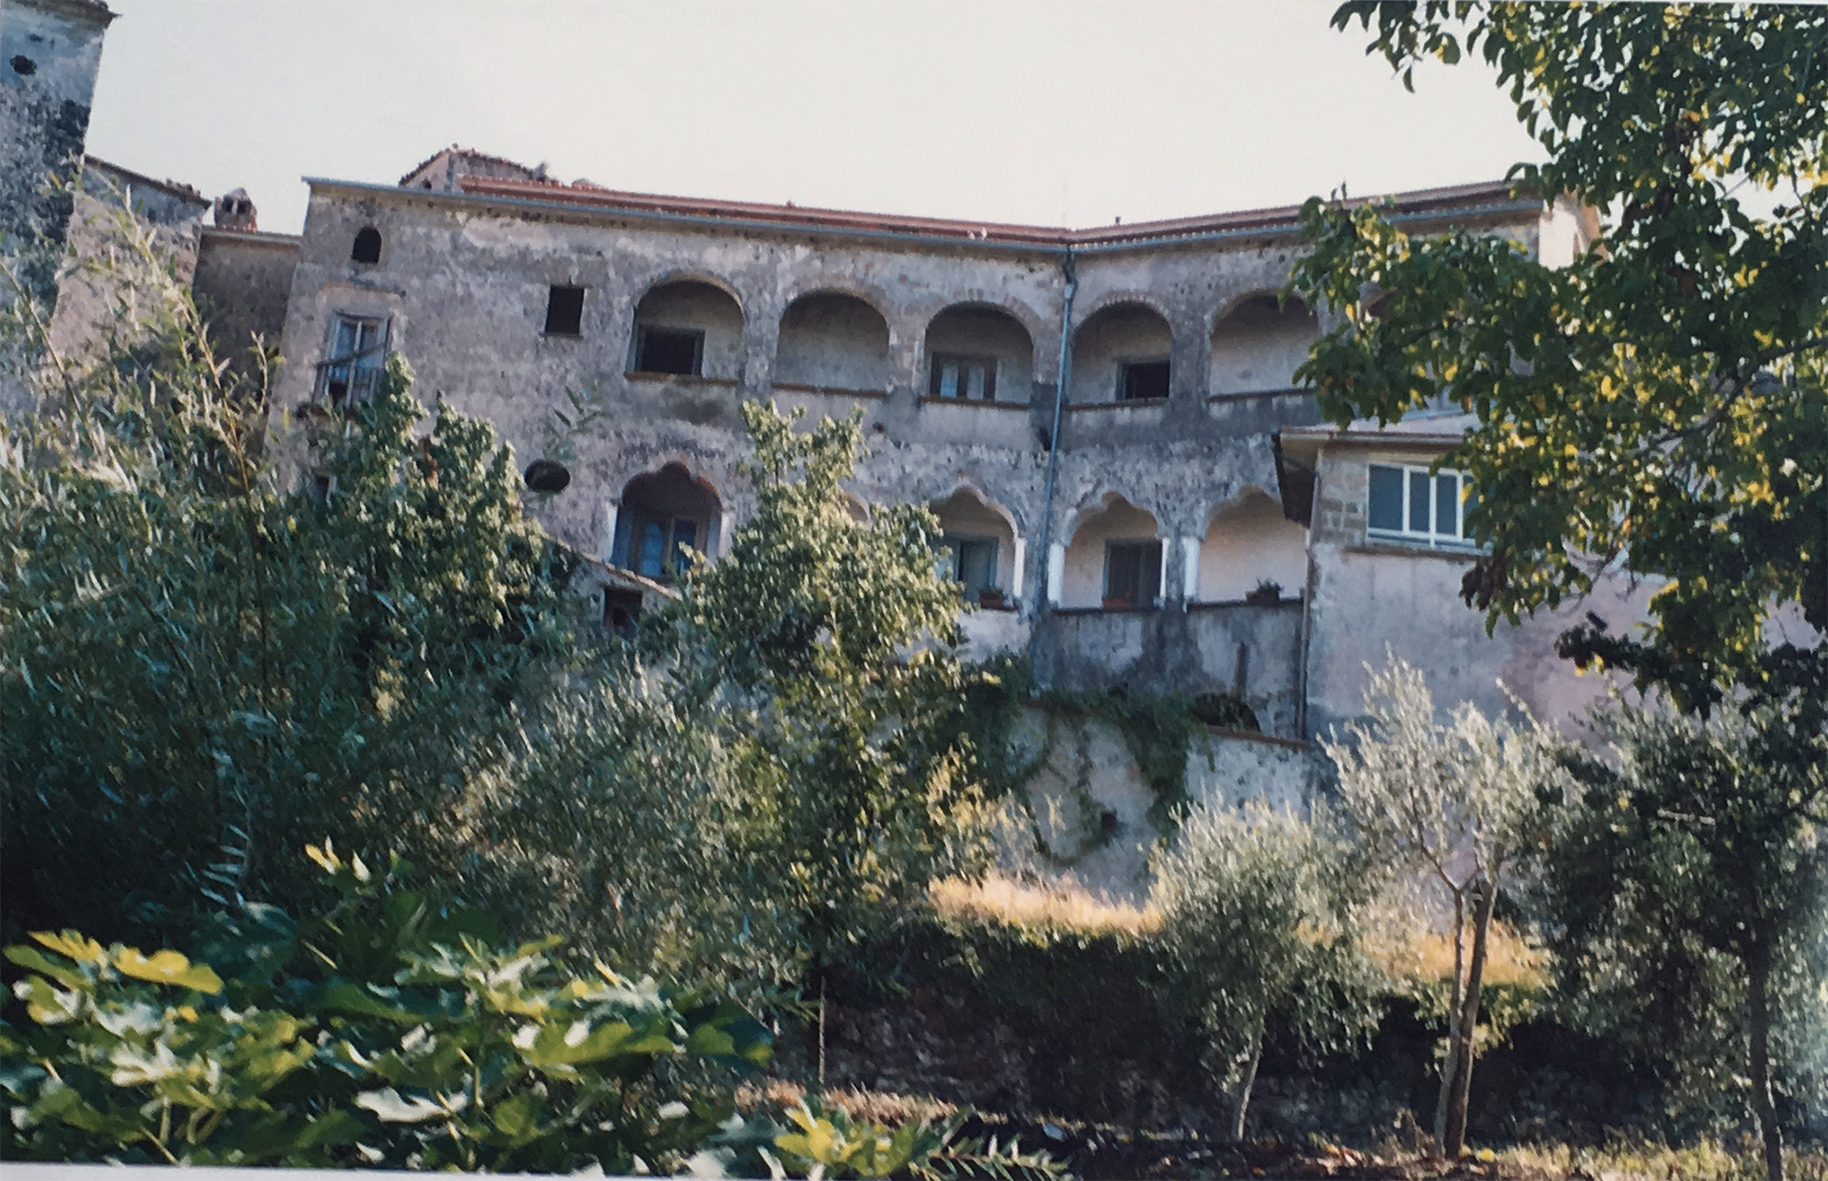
1267,594
990,598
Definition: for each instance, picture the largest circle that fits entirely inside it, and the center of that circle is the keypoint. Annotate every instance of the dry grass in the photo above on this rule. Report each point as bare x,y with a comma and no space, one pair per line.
1001,899
1626,1159
1412,952
878,1107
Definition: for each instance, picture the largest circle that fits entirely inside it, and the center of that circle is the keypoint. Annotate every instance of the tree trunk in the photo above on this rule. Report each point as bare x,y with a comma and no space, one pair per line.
1451,1057
1758,975
1455,1139
1240,1096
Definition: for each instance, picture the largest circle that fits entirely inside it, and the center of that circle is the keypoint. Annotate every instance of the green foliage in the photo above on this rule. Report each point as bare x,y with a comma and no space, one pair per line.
385,1033
1157,730
625,819
1660,405
828,1143
201,669
392,1032
830,646
1257,927
1684,875
1455,803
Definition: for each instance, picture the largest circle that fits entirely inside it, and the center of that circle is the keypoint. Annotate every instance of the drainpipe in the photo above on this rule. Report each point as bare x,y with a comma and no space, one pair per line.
1064,374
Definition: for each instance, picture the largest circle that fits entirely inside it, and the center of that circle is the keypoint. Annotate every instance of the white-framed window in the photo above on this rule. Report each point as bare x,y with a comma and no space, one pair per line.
971,378
1409,504
358,349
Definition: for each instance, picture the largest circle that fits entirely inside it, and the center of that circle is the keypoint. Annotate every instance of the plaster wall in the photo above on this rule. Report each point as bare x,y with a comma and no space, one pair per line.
1252,651
90,294
1248,541
1083,584
964,515
242,283
986,332
1373,600
49,53
1257,346
1121,333
833,340
697,307
1089,773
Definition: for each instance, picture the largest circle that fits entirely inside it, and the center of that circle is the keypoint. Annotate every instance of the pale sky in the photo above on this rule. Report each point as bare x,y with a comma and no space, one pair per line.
1053,112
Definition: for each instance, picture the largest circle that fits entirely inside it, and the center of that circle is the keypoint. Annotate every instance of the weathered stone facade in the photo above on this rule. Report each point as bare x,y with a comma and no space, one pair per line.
1122,527
49,53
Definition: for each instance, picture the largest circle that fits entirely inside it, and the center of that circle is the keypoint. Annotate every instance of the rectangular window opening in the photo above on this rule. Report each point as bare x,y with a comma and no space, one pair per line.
621,608
565,311
1142,380
1409,504
1132,573
970,561
971,378
663,547
358,352
669,350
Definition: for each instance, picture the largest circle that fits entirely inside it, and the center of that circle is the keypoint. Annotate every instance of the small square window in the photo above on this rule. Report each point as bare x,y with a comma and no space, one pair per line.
971,378
621,608
565,311
669,350
1132,573
1142,380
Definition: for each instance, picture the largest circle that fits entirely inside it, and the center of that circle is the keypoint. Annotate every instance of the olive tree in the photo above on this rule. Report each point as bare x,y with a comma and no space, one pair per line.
1687,888
1454,801
1256,905
204,667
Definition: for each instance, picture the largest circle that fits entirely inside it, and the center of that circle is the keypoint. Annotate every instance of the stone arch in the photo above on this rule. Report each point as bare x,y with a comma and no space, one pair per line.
663,513
687,324
982,541
979,351
1122,352
1040,328
1258,341
1247,541
832,339
1113,556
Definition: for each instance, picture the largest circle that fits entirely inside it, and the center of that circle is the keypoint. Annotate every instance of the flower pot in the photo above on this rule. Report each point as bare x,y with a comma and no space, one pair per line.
1263,598
1113,603
990,599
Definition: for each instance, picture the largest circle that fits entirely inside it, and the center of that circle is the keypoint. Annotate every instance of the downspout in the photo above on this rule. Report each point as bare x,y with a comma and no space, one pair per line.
1064,373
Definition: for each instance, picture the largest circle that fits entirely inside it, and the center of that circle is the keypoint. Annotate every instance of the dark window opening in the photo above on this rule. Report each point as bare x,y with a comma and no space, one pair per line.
24,65
565,311
1132,573
621,608
971,561
973,378
367,246
1386,498
1141,380
669,350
